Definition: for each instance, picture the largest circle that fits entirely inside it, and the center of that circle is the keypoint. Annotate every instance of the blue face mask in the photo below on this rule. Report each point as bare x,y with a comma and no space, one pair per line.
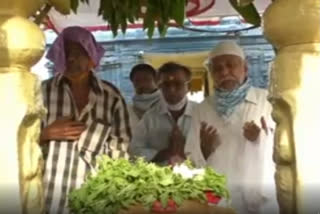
144,102
226,101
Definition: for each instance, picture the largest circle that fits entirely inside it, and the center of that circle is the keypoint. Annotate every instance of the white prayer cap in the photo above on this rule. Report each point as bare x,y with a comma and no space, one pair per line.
227,48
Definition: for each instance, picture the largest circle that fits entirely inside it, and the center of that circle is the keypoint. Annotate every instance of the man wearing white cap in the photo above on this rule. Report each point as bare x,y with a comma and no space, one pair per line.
232,131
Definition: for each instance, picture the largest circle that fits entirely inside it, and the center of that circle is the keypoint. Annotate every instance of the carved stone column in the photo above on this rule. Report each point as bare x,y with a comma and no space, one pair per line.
293,27
21,45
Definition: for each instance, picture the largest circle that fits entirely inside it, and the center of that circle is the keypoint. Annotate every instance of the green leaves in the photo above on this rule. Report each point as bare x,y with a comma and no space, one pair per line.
247,10
160,12
75,3
243,3
157,13
119,184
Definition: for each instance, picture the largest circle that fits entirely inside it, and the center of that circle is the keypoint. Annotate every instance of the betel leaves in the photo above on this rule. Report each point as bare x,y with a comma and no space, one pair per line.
74,4
247,10
157,14
119,184
153,13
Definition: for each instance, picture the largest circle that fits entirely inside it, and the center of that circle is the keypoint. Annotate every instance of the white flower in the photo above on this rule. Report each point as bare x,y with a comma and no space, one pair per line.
187,173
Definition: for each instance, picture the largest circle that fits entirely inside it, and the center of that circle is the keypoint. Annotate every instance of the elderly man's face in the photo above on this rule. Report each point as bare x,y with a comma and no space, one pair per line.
228,71
77,59
174,86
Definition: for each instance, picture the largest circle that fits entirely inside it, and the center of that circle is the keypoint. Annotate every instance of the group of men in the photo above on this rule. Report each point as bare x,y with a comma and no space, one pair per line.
231,131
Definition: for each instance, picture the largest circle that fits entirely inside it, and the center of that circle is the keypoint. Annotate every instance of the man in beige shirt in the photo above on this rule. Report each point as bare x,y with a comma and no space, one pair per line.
144,79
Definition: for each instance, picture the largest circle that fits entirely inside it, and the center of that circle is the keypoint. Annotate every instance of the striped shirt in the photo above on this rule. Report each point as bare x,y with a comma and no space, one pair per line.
107,132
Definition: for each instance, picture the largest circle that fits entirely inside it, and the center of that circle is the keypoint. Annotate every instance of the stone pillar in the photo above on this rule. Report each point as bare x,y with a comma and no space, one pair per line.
22,44
293,27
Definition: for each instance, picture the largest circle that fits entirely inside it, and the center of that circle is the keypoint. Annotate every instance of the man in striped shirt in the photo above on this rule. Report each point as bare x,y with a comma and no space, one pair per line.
86,117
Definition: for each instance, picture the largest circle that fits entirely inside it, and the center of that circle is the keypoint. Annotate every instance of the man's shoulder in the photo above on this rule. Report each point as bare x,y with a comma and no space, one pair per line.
206,103
202,108
192,103
260,95
109,87
191,106
154,110
260,91
49,81
205,110
150,116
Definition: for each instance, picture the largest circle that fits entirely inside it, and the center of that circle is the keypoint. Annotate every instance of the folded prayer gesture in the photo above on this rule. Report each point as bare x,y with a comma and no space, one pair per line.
177,141
209,139
251,131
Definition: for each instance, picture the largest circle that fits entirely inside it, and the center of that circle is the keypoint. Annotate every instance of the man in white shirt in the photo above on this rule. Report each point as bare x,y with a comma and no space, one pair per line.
144,79
232,131
160,135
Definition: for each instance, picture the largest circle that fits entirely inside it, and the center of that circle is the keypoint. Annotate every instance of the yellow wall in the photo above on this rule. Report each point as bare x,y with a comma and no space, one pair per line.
195,61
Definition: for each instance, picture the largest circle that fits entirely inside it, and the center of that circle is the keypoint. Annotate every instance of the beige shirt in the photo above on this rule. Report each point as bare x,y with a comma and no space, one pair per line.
152,133
134,119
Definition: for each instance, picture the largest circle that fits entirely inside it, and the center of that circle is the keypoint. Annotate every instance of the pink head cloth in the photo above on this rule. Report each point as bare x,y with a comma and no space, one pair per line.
76,34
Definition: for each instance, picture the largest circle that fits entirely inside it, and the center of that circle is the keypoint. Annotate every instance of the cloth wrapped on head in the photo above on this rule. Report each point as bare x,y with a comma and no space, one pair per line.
76,34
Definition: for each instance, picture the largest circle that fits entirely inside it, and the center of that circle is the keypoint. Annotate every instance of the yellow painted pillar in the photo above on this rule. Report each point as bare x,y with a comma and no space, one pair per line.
22,44
293,27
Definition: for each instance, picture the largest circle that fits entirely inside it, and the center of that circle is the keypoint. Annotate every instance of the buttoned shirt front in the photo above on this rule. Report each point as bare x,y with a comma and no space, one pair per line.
107,132
153,131
248,166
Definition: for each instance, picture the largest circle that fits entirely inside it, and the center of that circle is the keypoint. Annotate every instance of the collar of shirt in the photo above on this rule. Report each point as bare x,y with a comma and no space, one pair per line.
93,80
252,96
187,111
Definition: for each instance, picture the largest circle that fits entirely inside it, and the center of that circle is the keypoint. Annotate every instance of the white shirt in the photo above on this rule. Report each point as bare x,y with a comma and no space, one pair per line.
136,111
153,131
248,166
134,119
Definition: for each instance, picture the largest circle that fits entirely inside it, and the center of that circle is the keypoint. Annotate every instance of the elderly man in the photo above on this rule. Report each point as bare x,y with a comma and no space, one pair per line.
86,116
160,135
232,131
147,95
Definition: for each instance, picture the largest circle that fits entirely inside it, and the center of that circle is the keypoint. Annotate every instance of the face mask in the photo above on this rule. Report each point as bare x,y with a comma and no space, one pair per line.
145,101
226,101
178,106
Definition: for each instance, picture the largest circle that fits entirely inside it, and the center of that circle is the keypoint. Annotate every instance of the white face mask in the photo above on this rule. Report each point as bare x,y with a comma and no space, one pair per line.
178,106
145,101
